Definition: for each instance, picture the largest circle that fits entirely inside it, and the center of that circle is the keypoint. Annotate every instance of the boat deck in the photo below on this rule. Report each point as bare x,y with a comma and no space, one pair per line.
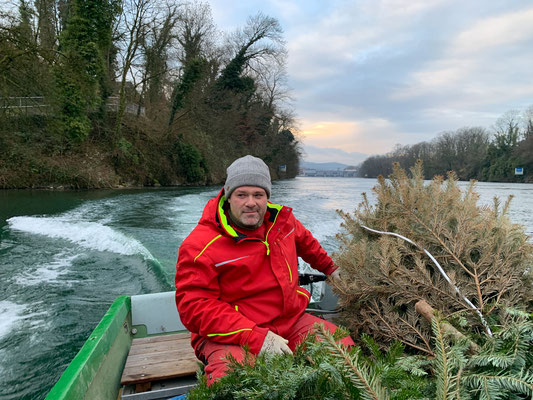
158,358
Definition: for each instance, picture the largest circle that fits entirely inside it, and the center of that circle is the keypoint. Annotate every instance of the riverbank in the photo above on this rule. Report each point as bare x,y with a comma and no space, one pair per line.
35,157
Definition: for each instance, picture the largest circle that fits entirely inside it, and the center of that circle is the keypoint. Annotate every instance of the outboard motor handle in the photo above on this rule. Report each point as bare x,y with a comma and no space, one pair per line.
308,278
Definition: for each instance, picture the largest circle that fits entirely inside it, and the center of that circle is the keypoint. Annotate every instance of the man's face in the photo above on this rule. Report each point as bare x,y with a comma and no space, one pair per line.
248,206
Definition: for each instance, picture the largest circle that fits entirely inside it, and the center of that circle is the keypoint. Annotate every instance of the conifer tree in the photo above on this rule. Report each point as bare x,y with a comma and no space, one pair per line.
82,71
485,259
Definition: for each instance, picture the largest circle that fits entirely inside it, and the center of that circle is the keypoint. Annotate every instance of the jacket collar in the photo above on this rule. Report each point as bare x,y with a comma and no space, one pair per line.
270,218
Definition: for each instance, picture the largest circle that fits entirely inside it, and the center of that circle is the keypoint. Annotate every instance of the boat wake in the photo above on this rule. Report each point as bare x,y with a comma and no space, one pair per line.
90,235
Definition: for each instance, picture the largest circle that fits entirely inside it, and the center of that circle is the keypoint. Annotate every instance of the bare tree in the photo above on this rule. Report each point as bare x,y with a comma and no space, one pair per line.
471,149
528,122
155,51
271,82
507,131
134,24
195,31
259,42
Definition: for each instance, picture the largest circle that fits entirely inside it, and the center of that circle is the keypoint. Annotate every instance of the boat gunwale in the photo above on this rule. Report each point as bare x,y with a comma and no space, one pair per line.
77,377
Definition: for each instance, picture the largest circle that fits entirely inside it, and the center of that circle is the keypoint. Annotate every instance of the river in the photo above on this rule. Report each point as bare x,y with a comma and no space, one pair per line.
65,256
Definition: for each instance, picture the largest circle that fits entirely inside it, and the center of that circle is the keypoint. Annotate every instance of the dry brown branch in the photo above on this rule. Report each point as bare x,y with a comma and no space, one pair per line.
425,310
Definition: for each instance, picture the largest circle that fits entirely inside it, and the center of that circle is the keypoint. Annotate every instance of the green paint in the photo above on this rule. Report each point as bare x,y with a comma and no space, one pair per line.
142,331
105,350
106,383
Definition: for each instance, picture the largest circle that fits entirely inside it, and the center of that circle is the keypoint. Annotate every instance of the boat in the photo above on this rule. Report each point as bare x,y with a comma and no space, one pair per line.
140,350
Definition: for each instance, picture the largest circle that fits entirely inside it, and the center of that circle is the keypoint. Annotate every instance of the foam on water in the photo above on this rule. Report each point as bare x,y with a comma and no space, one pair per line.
14,314
186,209
48,273
191,205
90,235
11,314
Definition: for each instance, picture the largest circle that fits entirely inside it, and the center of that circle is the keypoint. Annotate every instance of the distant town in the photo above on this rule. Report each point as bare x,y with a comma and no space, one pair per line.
328,170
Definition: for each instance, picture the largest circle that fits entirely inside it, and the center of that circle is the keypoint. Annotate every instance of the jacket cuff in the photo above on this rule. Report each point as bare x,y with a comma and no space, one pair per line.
256,339
329,270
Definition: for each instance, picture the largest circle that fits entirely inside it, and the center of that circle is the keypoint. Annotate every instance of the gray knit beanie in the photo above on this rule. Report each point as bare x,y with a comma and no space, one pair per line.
247,171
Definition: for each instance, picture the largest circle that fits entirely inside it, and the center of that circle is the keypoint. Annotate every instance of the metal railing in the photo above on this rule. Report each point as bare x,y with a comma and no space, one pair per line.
23,102
37,104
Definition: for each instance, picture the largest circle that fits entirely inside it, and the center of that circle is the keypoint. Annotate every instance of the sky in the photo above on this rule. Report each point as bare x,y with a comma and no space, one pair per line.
368,75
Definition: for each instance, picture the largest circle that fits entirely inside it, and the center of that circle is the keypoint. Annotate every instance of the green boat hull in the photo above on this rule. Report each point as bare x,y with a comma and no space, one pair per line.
96,370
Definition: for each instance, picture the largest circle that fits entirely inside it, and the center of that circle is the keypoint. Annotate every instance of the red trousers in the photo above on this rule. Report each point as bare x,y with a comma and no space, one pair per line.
214,354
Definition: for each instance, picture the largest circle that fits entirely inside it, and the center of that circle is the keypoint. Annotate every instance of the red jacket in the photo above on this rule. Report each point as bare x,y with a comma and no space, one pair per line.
232,288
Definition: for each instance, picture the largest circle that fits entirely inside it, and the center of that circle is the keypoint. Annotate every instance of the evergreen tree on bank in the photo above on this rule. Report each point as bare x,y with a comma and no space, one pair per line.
81,71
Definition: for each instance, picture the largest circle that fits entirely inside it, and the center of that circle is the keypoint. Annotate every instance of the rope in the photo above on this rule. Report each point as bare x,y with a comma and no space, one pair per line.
441,270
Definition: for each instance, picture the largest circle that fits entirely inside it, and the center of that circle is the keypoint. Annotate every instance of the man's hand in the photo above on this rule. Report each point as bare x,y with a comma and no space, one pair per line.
336,276
275,344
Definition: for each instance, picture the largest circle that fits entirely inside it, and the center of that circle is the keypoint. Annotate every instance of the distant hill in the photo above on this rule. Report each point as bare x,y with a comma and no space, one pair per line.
327,154
331,166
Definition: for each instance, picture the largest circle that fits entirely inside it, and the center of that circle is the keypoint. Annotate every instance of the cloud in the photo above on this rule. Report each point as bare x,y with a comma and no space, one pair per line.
353,33
351,136
498,31
480,65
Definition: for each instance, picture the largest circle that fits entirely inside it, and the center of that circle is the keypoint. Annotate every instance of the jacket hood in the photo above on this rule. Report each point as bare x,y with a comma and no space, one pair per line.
209,215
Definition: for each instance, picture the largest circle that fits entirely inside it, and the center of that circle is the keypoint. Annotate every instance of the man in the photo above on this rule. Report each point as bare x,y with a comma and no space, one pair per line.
237,273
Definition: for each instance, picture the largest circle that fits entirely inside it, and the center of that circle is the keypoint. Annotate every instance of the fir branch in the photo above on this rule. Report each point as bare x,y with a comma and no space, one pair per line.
359,374
443,373
416,217
324,369
441,270
459,393
426,311
494,386
417,331
500,356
